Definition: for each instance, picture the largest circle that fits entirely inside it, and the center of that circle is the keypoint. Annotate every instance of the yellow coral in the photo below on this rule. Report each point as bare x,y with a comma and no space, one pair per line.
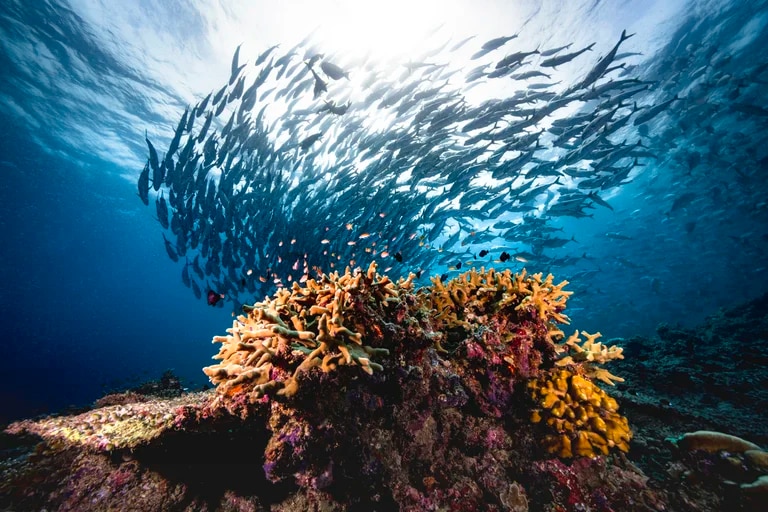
313,323
582,419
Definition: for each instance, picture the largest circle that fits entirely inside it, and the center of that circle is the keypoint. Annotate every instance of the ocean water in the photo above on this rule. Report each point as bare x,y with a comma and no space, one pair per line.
93,303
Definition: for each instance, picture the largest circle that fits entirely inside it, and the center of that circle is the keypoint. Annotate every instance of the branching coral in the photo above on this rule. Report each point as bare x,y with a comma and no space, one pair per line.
474,294
581,418
316,325
590,353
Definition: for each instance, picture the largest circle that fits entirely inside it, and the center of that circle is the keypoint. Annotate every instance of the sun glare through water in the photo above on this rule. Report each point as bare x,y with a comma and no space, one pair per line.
383,31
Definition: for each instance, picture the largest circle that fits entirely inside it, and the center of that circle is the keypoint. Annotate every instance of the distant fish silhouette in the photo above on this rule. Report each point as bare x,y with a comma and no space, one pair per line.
333,71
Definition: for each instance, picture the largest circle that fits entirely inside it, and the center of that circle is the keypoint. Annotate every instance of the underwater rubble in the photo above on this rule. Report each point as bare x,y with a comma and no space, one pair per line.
357,392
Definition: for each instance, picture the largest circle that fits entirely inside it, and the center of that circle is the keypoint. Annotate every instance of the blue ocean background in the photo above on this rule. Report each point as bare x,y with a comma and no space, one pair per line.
91,302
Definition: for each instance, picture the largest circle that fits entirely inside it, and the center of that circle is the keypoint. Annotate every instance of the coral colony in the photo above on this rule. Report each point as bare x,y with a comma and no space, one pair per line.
352,389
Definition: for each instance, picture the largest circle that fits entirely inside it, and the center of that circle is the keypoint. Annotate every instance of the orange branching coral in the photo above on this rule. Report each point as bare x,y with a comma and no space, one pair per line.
590,353
476,293
583,421
303,327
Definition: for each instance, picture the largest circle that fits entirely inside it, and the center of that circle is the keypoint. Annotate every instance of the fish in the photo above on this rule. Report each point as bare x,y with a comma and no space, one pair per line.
562,59
185,275
237,91
264,55
492,44
597,199
157,170
653,111
320,85
306,143
497,42
333,108
552,51
504,256
602,65
143,184
219,95
235,67
202,105
333,71
514,58
483,253
213,298
170,250
174,146
398,257
162,211
461,43
196,267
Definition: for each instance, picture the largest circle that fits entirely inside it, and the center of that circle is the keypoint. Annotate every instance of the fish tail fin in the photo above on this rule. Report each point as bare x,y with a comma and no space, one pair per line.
589,48
624,35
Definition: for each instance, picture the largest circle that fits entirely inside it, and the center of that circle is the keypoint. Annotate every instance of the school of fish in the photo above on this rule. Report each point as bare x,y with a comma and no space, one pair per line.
305,161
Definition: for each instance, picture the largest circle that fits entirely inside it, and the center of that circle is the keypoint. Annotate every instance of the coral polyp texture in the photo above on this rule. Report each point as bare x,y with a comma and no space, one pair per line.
581,418
321,324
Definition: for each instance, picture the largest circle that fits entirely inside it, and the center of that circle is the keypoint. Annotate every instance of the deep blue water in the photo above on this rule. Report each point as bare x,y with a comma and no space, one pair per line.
92,303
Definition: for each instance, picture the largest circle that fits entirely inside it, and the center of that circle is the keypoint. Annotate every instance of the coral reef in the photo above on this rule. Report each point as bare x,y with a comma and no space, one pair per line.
354,392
